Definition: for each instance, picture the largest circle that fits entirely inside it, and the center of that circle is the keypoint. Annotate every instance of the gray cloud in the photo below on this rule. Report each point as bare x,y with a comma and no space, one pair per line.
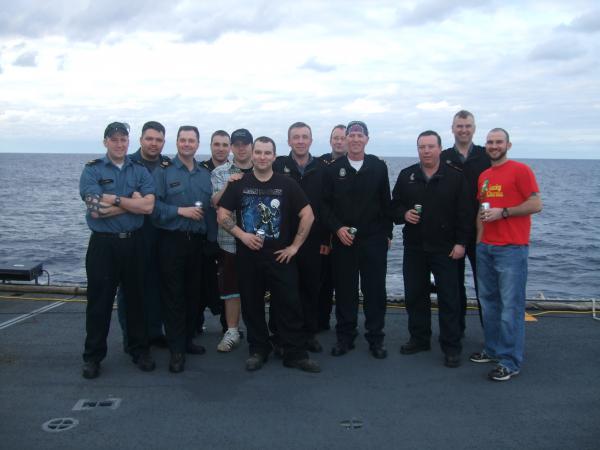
557,50
435,11
28,18
588,22
94,21
204,22
27,59
313,64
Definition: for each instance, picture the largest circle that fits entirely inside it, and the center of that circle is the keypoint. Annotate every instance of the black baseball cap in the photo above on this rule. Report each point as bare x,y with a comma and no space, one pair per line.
241,135
116,127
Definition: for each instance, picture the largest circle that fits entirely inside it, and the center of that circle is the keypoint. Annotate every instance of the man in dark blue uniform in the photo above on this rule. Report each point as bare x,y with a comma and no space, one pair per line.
356,208
435,235
150,156
337,140
471,159
308,173
185,226
117,192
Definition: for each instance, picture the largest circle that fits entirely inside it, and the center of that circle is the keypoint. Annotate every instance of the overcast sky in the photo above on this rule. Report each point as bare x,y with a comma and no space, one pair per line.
67,68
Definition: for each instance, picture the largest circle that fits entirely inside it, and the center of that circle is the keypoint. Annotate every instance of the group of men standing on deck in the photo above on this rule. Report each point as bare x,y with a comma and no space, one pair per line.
174,234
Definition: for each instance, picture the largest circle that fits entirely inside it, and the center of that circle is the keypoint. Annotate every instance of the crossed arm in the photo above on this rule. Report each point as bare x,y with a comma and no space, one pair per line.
103,206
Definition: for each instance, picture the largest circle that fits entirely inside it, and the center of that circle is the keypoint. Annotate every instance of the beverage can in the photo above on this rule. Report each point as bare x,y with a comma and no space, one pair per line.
418,208
198,204
352,231
485,206
261,234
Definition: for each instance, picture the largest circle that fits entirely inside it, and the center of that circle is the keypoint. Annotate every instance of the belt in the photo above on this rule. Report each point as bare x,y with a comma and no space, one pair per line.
189,235
123,235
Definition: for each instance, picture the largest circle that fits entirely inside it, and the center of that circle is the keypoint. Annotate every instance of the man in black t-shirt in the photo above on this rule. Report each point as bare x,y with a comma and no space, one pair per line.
267,238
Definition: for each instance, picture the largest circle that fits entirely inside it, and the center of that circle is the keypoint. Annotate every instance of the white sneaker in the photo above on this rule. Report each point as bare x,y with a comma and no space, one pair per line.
231,339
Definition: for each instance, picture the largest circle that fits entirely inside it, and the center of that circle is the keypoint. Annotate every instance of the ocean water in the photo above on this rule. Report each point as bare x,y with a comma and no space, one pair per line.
42,219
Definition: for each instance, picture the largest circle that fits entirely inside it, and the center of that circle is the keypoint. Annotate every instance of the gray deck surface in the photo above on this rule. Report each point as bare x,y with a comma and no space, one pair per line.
411,402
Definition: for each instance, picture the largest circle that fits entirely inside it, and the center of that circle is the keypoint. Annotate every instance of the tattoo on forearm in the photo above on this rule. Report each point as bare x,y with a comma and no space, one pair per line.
228,224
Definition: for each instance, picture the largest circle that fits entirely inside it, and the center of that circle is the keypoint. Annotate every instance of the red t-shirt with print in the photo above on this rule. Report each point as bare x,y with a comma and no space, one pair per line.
504,186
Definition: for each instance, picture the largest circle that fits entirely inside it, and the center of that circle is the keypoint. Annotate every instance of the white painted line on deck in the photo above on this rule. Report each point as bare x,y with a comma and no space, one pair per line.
18,319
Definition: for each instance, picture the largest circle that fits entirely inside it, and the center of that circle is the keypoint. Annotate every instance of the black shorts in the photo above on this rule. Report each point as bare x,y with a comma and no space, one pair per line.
228,281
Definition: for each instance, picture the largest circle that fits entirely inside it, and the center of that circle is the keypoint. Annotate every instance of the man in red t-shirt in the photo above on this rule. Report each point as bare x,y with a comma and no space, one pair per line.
509,195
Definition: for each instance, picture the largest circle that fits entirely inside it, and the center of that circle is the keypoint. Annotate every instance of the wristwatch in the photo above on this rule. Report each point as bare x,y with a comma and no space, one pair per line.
118,202
504,213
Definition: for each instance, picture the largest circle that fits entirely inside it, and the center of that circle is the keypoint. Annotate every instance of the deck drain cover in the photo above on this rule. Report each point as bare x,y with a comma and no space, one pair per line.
60,424
85,404
351,424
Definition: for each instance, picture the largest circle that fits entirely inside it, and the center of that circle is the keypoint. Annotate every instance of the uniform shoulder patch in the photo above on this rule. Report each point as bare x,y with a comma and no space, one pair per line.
165,163
452,164
334,162
93,161
320,163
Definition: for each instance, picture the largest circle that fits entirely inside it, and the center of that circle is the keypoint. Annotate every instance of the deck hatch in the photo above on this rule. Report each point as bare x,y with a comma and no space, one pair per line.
352,424
85,404
60,424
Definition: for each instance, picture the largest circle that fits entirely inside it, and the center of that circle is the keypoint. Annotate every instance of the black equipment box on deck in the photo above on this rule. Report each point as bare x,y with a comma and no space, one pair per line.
20,270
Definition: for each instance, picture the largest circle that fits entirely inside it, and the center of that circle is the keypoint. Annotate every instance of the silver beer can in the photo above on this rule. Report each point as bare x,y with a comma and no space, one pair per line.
485,206
418,208
198,204
352,231
261,234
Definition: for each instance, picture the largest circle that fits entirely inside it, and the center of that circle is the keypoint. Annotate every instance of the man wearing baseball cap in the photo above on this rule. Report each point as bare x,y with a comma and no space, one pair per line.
228,281
118,192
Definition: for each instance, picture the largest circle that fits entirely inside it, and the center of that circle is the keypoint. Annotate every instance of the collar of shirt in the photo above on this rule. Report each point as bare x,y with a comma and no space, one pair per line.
438,173
460,155
179,164
107,161
366,163
300,168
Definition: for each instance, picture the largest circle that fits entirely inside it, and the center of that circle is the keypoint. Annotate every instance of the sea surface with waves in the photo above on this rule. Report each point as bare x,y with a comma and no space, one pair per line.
42,219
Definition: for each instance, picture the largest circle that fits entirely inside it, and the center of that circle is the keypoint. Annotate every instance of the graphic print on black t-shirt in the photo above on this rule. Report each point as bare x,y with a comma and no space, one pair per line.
261,210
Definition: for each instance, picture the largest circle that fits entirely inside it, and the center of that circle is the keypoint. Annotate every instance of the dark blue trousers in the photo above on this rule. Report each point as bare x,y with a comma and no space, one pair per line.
365,261
416,267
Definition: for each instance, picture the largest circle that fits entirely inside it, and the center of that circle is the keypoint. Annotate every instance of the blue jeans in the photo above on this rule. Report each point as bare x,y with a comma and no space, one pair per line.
501,278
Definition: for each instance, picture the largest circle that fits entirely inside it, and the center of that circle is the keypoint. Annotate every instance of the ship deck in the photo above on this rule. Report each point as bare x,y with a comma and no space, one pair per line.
356,402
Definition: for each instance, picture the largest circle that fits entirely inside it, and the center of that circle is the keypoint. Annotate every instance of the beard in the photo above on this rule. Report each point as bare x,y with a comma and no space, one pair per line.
498,156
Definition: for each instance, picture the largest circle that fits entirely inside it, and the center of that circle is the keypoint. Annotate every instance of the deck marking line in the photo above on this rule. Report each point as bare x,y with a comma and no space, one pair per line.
23,317
529,318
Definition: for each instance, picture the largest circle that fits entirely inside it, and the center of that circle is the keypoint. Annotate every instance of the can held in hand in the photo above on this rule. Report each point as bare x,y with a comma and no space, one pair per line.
418,208
352,231
485,206
261,234
198,204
